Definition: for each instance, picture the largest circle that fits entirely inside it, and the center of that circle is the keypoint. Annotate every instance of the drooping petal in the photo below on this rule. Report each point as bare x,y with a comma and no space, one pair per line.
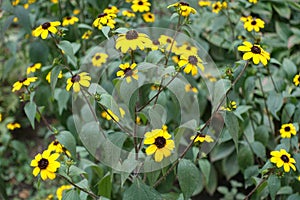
158,155
151,149
36,171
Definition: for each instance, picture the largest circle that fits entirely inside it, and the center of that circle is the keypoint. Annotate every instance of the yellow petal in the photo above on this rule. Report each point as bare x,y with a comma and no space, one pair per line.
44,34
151,149
158,155
36,171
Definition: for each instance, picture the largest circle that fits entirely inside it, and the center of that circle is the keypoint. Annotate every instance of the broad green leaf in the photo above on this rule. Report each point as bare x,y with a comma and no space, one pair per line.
23,17
289,67
205,167
71,195
294,197
3,194
283,10
220,90
232,125
105,30
285,190
262,134
38,52
30,111
273,185
274,103
8,66
287,113
259,149
283,30
221,151
293,40
213,181
105,186
67,49
67,139
153,176
188,177
154,57
245,157
139,190
230,165
61,96
75,171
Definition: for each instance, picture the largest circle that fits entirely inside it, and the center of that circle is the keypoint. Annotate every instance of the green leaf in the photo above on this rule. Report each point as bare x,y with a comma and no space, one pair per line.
62,97
105,186
274,103
153,176
287,112
75,171
285,190
213,181
283,10
38,52
283,30
245,157
23,17
188,177
230,166
293,40
205,167
105,30
259,149
67,48
221,151
262,134
273,185
30,111
294,197
139,190
289,67
67,139
71,195
3,194
8,66
220,90
232,125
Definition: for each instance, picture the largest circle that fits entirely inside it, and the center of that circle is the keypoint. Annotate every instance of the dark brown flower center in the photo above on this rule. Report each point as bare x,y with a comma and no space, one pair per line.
75,78
299,78
46,25
128,72
160,142
131,35
55,143
188,48
140,3
216,7
285,159
193,60
22,80
184,3
253,23
150,16
169,40
102,15
287,129
97,57
68,18
156,42
255,50
43,163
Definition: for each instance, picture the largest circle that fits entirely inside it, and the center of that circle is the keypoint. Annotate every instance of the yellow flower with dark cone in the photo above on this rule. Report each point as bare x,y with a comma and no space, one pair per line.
230,107
58,148
296,79
202,138
61,189
128,71
109,115
287,130
99,59
132,40
191,63
46,28
13,126
204,3
111,9
187,49
168,43
140,6
33,68
48,77
128,13
190,88
149,17
86,35
255,52
161,144
183,8
26,82
45,164
216,7
283,158
105,19
69,20
253,24
78,80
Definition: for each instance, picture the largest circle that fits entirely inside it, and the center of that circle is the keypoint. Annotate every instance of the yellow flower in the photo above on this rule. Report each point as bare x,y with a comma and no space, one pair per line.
296,79
128,71
0,117
13,126
15,2
48,77
138,120
168,43
216,7
99,59
86,35
69,20
253,24
34,67
61,189
132,40
245,19
105,19
54,1
183,8
26,81
50,197
128,13
58,148
149,17
140,6
187,49
191,63
255,52
45,164
46,28
109,115
160,144
190,88
253,1
154,87
77,80
204,3
283,158
202,138
287,130
111,9
230,107
76,11
26,6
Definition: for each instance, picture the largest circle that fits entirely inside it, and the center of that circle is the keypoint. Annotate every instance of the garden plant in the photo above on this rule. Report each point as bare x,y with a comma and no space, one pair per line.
149,99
